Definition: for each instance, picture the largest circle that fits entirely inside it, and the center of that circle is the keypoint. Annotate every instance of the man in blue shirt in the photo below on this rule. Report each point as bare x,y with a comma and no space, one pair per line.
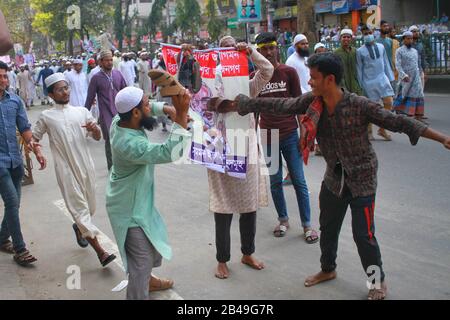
46,72
12,116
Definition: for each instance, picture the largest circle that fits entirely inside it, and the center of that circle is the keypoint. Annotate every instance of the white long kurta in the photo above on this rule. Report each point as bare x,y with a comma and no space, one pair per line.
127,69
23,84
299,64
78,83
144,80
74,166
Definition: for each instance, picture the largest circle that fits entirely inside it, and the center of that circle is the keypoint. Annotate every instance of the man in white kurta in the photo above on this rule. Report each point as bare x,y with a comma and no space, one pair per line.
127,69
144,80
78,83
23,84
298,61
68,128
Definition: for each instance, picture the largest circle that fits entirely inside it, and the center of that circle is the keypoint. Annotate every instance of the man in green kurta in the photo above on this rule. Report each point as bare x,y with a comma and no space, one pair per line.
347,53
139,229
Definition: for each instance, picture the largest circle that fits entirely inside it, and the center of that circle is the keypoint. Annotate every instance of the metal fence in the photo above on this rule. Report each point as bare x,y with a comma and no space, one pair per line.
437,51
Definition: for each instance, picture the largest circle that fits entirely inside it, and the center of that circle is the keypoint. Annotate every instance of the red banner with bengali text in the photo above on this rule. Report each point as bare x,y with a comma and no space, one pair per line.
233,64
170,55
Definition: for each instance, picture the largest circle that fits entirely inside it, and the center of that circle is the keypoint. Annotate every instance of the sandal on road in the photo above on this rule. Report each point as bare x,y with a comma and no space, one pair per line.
311,236
24,258
7,247
280,230
169,85
159,284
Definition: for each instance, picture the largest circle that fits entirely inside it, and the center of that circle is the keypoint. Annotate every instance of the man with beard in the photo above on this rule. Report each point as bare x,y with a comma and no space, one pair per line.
137,225
68,128
105,85
298,61
410,99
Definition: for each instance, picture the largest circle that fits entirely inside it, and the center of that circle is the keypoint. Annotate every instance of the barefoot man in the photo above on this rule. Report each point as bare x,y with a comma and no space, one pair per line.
351,175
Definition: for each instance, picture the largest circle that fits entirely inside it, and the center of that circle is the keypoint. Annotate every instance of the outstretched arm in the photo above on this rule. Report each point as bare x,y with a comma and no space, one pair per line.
437,136
399,123
245,105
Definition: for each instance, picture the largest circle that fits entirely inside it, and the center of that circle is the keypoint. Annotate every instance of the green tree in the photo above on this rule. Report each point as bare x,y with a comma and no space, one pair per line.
215,24
51,17
155,18
188,17
122,20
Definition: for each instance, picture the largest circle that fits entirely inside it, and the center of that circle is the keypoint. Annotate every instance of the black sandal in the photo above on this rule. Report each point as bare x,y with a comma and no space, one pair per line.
24,258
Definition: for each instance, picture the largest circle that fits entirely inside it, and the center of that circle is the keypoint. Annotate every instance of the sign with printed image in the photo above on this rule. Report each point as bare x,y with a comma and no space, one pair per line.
249,11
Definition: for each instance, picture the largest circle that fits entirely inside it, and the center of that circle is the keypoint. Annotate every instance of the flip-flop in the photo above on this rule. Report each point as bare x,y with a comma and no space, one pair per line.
80,240
311,236
280,230
169,85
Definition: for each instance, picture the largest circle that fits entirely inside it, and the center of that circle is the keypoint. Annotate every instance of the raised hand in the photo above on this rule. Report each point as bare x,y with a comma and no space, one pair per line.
242,46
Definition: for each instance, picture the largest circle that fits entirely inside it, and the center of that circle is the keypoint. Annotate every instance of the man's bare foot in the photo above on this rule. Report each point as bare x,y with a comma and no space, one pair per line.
222,271
378,294
252,262
320,277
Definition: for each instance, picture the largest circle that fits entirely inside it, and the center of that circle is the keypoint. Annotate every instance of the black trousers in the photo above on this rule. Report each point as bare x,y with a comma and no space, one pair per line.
108,152
247,228
332,213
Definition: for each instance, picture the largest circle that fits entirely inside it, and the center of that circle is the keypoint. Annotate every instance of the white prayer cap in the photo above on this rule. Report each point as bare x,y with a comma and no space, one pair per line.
347,31
128,98
413,28
77,61
299,38
54,78
318,45
407,34
104,54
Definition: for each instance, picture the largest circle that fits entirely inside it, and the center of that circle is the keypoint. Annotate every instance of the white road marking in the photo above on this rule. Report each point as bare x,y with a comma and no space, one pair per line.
110,246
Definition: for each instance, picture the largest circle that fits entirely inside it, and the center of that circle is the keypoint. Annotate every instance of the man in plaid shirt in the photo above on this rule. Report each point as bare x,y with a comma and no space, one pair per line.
340,120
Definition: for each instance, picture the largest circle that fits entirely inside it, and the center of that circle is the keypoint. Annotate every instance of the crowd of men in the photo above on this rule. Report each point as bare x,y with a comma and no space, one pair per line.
329,97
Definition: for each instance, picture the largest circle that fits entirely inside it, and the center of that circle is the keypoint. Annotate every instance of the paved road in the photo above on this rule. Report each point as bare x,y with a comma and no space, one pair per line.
412,219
